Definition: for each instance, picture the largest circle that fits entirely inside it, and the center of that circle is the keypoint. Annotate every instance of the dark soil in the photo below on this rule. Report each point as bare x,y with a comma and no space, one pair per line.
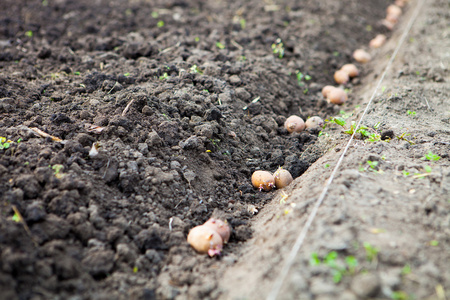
186,100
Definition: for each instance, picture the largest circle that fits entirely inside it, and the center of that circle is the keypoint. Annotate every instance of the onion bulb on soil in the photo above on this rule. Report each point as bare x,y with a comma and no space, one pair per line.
350,69
313,122
341,77
205,240
337,96
263,180
221,227
377,41
294,124
282,178
326,89
361,56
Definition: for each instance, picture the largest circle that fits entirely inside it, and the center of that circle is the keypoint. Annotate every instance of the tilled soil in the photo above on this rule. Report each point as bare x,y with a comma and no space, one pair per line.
185,99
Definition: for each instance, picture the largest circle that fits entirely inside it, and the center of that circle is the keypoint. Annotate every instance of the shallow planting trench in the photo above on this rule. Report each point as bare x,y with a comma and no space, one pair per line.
127,123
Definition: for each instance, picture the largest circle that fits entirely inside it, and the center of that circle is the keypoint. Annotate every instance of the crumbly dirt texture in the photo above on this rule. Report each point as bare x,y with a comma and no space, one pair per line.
186,99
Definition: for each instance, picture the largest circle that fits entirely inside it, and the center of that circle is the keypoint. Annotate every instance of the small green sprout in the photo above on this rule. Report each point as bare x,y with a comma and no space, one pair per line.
434,243
411,113
220,45
405,173
135,269
243,23
403,137
428,169
160,24
278,48
126,74
29,33
196,39
164,76
195,69
352,263
315,260
336,53
301,76
371,252
155,14
4,143
16,217
326,166
372,164
406,269
431,156
383,88
400,295
57,170
337,271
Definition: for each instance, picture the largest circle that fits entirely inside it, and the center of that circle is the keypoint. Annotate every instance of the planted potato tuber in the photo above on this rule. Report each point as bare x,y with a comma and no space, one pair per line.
263,180
221,227
294,124
337,96
377,41
393,10
350,69
205,240
314,122
282,178
326,89
361,56
341,77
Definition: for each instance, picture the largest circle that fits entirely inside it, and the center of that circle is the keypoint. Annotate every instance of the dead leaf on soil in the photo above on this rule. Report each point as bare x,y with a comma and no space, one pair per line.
93,128
45,134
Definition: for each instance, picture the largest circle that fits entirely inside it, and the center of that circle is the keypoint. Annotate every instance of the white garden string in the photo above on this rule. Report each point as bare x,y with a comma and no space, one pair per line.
301,237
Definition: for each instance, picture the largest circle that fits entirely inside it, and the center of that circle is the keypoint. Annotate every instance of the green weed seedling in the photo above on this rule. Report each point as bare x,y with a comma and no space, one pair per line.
164,76
431,156
411,113
403,137
4,143
160,24
370,135
372,164
300,76
220,45
195,69
57,171
278,48
371,252
400,295
330,260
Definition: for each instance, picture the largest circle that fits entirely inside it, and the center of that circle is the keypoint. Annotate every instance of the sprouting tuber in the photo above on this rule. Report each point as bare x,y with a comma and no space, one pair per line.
282,178
294,124
326,89
314,122
394,10
350,69
361,56
341,77
221,227
337,96
377,41
263,180
204,240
